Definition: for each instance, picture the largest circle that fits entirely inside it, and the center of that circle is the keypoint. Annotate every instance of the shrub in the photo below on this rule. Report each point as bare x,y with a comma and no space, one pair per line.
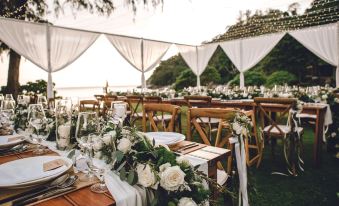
185,79
210,75
280,78
251,78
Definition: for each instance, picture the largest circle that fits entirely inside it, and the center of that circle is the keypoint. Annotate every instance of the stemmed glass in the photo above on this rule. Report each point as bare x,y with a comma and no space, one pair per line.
43,101
8,103
87,126
100,187
119,111
37,120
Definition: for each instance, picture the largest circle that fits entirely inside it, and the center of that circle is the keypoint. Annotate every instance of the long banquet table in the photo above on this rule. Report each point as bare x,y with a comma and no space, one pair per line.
85,197
315,109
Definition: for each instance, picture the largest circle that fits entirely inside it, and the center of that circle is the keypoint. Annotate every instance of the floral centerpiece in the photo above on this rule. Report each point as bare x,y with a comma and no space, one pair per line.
137,160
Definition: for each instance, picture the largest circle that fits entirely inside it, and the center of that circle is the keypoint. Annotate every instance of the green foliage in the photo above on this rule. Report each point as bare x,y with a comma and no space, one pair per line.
252,78
186,78
210,76
280,78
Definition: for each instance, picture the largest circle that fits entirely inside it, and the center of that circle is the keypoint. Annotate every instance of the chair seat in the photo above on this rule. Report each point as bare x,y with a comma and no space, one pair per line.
165,117
222,177
285,129
208,120
308,116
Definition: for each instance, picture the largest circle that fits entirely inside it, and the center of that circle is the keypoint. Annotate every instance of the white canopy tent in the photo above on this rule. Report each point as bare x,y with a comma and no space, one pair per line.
197,57
246,53
142,54
52,48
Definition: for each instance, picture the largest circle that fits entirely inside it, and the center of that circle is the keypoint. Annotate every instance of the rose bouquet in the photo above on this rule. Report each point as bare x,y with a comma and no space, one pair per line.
171,179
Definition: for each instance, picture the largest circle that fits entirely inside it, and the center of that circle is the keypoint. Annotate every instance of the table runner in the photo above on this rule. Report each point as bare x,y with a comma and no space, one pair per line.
123,193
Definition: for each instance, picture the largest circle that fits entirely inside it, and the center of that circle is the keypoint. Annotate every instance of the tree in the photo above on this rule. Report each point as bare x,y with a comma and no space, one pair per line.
210,76
35,10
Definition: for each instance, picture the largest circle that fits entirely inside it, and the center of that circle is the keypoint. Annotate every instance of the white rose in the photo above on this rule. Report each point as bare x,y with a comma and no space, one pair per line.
172,178
98,144
236,127
185,201
146,176
107,138
333,134
124,145
324,96
113,133
98,155
163,167
182,160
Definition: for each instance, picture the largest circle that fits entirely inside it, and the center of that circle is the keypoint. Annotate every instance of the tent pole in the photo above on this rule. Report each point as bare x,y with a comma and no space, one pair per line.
197,63
143,81
50,94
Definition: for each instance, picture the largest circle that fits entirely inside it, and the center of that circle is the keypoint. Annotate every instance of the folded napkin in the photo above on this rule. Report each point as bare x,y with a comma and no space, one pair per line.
19,171
5,139
164,137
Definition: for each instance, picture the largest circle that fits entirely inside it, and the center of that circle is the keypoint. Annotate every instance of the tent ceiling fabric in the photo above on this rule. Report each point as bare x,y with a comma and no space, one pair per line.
141,54
322,41
68,45
28,40
197,57
53,48
246,53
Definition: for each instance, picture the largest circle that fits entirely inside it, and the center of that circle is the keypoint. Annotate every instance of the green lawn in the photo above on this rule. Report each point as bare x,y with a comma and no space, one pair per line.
316,186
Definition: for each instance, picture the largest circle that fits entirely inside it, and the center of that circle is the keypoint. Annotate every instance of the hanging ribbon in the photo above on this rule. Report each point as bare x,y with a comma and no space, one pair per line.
242,80
242,169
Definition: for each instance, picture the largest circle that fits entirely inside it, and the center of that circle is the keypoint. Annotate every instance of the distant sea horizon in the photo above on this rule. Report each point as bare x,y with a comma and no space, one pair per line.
88,92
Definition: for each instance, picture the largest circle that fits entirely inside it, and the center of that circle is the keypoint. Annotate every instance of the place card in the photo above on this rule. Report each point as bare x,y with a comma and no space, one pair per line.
54,164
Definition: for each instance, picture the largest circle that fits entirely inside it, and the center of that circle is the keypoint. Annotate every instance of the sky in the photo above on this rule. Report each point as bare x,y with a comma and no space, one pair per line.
178,21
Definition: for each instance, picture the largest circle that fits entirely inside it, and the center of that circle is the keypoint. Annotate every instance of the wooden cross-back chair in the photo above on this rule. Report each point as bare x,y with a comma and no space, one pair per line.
225,116
135,103
197,101
273,113
89,105
151,113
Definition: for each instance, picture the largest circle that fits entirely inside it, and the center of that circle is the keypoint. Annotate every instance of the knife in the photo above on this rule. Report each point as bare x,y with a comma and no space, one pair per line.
44,196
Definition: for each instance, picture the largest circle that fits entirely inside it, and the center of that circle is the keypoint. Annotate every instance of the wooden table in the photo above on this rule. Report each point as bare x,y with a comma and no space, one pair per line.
85,197
316,109
81,197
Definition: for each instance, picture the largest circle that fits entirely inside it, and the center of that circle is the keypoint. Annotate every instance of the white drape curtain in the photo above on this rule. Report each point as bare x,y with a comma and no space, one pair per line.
322,41
51,48
246,53
142,54
197,57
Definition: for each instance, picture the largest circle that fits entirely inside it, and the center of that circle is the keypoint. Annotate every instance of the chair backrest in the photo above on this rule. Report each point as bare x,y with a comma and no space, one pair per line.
135,102
92,105
110,97
198,101
153,99
155,113
99,97
193,114
268,110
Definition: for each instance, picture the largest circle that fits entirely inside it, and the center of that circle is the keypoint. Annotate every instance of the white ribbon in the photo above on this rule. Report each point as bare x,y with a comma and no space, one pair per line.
242,169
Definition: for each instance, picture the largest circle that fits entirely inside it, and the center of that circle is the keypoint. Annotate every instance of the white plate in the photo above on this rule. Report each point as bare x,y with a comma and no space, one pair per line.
167,138
4,144
29,171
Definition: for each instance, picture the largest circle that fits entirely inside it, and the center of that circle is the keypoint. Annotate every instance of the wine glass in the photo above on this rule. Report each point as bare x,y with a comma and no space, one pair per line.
119,111
86,128
8,104
100,187
63,122
43,101
9,97
38,121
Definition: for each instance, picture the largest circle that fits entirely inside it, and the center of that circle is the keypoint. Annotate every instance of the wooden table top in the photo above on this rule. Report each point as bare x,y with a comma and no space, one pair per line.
81,197
85,197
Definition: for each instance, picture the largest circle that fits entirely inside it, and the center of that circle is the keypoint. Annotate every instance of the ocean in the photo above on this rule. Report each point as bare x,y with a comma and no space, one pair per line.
89,92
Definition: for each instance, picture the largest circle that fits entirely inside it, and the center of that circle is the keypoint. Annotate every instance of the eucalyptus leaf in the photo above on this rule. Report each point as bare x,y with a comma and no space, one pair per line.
71,154
171,204
123,174
118,155
132,178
